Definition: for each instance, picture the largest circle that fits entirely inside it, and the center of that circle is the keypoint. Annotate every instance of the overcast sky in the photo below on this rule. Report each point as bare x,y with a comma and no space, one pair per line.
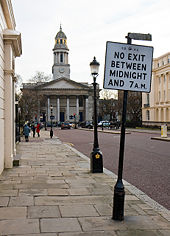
88,24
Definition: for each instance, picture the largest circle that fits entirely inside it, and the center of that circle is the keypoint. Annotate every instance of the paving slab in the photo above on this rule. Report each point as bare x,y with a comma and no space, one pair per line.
8,213
4,201
20,226
43,212
78,210
94,233
60,225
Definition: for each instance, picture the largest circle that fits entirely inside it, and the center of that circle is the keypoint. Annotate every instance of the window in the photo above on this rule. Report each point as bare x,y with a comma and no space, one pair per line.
147,115
61,41
80,101
61,57
159,80
164,95
147,98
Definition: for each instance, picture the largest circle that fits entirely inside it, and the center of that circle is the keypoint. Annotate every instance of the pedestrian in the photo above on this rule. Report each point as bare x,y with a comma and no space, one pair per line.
33,129
26,132
38,129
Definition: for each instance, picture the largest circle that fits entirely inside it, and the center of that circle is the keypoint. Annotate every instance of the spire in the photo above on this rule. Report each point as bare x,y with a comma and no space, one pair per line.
60,27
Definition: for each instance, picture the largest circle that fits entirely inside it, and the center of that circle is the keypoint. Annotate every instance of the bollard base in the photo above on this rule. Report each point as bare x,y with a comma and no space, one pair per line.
118,202
51,133
96,161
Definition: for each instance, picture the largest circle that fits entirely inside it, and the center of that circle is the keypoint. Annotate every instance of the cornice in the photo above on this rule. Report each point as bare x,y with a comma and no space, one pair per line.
13,37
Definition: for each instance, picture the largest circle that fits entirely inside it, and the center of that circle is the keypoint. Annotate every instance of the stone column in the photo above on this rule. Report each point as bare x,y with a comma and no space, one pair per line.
164,114
14,115
48,109
58,109
68,104
8,108
159,114
77,105
12,48
87,108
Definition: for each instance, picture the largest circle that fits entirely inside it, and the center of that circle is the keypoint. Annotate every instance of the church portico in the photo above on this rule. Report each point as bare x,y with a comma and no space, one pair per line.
65,107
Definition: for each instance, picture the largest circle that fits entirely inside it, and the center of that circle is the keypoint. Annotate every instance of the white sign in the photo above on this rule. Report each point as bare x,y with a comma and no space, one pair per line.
128,67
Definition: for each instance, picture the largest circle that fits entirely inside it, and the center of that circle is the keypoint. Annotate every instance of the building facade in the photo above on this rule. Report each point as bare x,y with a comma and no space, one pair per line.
10,48
156,104
68,98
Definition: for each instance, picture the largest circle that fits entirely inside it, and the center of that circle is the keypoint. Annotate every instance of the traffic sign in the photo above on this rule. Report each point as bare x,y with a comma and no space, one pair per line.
52,117
128,67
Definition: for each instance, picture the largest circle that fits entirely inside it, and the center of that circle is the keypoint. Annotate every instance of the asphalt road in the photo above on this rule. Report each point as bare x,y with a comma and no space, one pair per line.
146,161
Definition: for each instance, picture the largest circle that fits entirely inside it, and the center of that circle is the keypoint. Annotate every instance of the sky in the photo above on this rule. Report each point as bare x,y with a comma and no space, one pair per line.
88,25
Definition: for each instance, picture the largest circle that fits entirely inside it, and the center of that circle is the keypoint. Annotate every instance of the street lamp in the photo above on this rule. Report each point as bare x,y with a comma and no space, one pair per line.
51,117
96,158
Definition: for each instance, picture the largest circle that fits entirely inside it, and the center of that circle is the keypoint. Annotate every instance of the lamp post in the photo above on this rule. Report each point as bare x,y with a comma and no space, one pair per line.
51,131
96,158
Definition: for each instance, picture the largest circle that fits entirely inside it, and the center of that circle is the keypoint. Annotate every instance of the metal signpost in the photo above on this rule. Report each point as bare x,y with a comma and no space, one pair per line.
127,67
51,117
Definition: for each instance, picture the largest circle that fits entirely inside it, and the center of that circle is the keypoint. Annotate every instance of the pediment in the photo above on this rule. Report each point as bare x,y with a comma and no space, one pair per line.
63,84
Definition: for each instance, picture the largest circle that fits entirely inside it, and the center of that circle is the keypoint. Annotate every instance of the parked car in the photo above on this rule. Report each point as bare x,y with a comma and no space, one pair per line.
65,125
114,124
104,123
87,124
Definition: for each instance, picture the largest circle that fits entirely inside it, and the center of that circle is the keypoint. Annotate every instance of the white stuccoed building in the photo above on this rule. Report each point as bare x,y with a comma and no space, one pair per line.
10,48
156,104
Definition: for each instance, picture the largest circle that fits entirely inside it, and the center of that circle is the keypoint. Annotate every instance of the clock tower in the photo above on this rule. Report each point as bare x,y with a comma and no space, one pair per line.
61,68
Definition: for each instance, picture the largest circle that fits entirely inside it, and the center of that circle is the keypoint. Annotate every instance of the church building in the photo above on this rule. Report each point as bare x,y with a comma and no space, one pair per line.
68,98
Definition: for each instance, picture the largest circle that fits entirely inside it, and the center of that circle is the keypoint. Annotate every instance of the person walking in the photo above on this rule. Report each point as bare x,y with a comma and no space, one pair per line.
33,129
38,129
26,132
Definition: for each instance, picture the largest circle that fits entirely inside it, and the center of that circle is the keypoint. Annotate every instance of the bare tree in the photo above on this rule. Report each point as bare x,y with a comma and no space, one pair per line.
18,83
40,77
108,104
134,104
108,94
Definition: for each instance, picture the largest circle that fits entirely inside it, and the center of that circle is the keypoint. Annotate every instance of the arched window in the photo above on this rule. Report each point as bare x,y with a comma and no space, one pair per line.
61,41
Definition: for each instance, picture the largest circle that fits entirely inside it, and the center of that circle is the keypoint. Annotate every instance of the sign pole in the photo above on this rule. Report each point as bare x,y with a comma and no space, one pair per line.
119,192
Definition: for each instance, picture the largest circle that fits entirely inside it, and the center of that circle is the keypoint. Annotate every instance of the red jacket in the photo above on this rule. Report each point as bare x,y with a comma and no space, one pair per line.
38,128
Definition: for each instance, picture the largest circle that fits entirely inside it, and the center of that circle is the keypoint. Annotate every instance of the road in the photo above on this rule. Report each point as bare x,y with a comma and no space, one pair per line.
146,161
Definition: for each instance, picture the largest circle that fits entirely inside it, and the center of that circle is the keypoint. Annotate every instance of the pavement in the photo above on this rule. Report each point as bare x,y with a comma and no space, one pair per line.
53,193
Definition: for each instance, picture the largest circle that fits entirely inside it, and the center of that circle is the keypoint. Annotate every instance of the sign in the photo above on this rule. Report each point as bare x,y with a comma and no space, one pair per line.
128,67
139,36
52,117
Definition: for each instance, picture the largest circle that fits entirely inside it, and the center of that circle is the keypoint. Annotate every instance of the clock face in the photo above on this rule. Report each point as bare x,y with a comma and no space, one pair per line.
61,70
